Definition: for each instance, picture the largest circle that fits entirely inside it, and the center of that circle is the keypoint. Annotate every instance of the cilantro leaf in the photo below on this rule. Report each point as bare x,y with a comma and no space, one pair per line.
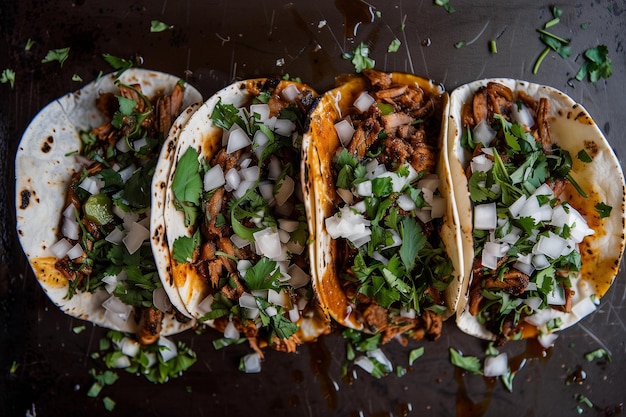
446,5
283,327
225,115
119,64
583,156
415,354
360,57
394,45
263,275
59,55
603,210
8,76
413,240
469,363
187,184
184,247
598,354
597,64
158,26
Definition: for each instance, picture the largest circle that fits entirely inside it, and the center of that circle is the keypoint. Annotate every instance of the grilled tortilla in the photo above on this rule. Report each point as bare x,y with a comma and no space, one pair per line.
564,294
44,168
402,128
212,276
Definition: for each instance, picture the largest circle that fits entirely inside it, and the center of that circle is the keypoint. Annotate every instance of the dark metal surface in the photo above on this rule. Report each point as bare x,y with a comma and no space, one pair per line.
211,44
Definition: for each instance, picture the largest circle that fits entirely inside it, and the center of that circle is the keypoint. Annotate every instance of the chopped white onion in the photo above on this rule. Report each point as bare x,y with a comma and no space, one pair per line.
239,241
268,243
279,298
251,173
480,163
205,305
275,168
438,207
75,252
247,301
116,236
60,248
284,127
252,363
547,340
345,131
346,195
288,225
70,212
160,300
364,101
489,261
365,363
140,143
260,142
267,191
115,305
533,302
299,278
525,268
556,297
214,178
70,228
485,216
285,190
244,186
92,185
168,348
230,331
552,245
122,145
406,203
237,139
540,261
364,189
380,358
294,314
262,110
483,133
232,180
584,307
129,347
521,114
111,283
515,208
496,365
135,237
291,92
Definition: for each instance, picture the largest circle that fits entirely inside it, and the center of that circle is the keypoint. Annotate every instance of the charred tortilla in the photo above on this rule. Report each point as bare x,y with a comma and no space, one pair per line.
45,167
580,212
399,132
233,189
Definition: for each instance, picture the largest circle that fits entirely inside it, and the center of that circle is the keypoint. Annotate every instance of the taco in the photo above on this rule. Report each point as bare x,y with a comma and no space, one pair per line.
83,172
234,221
385,228
540,196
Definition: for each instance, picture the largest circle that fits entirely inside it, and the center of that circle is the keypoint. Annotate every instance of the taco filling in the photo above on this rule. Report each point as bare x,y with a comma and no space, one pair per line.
391,262
105,225
527,235
246,239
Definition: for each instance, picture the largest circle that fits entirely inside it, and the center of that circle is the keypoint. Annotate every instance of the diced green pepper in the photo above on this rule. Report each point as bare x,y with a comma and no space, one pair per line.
98,209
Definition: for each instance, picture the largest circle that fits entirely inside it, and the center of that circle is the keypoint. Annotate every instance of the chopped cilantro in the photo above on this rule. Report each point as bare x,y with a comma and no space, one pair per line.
507,380
119,64
469,363
360,57
158,26
598,354
415,354
59,55
603,210
493,48
446,5
29,44
582,399
187,184
263,275
394,45
8,76
78,329
108,403
583,156
597,64
184,247
77,78
460,44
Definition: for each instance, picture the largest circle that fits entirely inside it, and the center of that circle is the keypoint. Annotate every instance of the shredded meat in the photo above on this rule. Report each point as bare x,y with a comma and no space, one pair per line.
149,326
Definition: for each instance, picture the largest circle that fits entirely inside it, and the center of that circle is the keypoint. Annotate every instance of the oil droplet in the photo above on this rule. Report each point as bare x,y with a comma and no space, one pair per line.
355,12
577,377
426,42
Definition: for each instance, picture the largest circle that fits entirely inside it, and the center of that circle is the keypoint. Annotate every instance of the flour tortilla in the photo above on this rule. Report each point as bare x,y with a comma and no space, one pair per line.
43,171
573,129
201,134
319,147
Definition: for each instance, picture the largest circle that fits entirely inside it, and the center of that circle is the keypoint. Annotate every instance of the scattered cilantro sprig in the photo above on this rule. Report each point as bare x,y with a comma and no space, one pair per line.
360,57
597,64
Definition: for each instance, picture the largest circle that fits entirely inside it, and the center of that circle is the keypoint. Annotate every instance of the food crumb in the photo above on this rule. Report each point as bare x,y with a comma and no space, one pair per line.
321,24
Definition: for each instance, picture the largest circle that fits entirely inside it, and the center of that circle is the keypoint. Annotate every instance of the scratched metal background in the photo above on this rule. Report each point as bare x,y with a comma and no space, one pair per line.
212,43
